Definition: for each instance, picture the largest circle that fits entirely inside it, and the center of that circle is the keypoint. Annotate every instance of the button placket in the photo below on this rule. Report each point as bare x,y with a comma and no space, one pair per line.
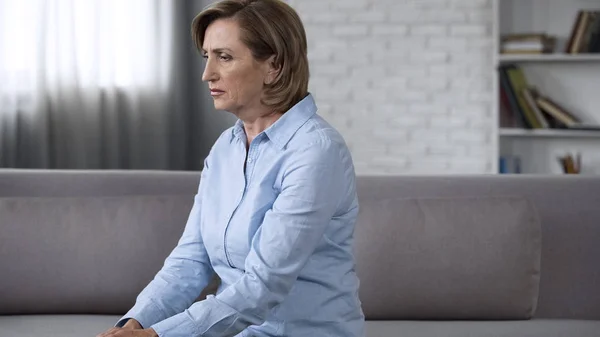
247,174
238,203
252,155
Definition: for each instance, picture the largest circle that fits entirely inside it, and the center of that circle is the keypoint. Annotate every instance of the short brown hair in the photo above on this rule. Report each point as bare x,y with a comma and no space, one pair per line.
268,27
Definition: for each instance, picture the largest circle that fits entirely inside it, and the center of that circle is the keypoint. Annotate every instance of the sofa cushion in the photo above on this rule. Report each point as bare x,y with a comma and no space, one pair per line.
55,325
448,258
530,328
89,255
91,325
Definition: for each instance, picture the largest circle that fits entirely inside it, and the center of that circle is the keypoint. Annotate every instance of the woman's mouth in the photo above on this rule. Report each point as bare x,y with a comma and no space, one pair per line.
216,92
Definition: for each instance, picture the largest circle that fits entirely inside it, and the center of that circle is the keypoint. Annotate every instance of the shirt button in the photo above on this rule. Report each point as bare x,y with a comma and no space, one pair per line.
249,160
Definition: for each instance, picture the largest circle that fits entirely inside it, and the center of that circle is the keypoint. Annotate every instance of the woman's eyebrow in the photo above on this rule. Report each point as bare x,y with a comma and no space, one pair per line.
218,50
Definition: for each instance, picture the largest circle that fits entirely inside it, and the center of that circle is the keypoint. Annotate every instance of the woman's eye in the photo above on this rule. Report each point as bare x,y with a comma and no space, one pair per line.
224,58
205,56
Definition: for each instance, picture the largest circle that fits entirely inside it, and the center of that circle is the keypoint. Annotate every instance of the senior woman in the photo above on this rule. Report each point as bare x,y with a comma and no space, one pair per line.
275,211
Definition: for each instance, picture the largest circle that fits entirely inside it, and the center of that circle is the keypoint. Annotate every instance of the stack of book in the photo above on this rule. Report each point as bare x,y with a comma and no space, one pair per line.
509,164
527,43
585,34
570,164
523,106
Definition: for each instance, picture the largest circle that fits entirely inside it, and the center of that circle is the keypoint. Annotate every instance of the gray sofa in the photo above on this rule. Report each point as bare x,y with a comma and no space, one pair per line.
437,255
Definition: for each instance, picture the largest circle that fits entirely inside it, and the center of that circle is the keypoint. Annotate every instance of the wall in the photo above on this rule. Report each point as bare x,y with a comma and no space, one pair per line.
408,83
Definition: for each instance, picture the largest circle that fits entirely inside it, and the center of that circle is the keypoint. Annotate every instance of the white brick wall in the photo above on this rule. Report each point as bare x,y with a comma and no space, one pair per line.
407,82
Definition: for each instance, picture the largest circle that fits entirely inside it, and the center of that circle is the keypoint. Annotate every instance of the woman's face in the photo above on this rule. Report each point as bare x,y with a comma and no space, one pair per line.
234,77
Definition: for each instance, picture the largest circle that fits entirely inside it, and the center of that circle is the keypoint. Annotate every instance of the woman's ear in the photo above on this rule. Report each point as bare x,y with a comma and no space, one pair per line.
273,70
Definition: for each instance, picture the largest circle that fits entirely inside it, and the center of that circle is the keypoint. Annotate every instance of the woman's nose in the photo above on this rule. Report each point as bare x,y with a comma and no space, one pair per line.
209,73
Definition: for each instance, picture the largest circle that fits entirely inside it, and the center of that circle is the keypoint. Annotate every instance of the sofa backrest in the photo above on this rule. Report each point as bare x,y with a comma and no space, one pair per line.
457,258
86,242
95,183
58,256
568,208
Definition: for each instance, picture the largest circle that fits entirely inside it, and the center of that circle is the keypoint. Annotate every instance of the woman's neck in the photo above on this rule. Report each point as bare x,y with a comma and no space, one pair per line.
254,126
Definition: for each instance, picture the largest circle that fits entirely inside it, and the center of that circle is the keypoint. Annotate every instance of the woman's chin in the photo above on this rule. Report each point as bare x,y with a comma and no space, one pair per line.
220,105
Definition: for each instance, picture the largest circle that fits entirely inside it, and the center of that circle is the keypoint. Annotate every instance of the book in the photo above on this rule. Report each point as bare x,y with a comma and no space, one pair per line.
584,127
530,94
574,29
584,33
570,164
527,43
518,82
556,111
594,41
579,35
509,164
511,98
589,31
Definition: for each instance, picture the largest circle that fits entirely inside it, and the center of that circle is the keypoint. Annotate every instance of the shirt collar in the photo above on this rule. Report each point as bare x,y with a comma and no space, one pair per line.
238,130
286,126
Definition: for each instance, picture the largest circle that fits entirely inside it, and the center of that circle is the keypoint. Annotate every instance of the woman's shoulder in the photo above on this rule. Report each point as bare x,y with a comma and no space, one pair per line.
318,144
319,135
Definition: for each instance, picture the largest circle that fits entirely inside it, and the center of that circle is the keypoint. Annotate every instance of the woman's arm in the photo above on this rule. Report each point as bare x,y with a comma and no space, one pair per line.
312,189
185,273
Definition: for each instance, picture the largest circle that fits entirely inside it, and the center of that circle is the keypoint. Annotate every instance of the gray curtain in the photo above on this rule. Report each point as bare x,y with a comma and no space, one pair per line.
170,127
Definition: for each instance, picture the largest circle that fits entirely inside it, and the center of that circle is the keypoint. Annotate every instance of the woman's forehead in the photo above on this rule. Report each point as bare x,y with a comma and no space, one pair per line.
222,34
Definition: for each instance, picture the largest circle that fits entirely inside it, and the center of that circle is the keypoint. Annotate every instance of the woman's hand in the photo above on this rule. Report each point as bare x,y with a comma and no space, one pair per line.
124,332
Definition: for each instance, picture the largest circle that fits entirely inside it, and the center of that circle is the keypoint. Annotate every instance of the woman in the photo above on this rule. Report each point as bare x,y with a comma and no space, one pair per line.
276,207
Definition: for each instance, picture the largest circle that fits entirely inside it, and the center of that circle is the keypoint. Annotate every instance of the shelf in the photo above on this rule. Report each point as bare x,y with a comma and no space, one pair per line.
556,57
571,80
548,133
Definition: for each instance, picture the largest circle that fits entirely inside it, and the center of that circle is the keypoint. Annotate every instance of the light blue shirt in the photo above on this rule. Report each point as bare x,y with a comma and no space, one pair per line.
279,233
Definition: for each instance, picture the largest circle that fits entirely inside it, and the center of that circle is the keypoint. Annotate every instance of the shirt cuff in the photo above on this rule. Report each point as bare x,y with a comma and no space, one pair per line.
180,325
122,321
146,314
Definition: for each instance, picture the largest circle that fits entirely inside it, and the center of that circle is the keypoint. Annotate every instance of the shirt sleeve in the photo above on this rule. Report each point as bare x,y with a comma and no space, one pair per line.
185,273
311,191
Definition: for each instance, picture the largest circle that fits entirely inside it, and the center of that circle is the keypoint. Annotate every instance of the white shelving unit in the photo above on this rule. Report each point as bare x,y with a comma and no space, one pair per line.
573,81
556,58
552,133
